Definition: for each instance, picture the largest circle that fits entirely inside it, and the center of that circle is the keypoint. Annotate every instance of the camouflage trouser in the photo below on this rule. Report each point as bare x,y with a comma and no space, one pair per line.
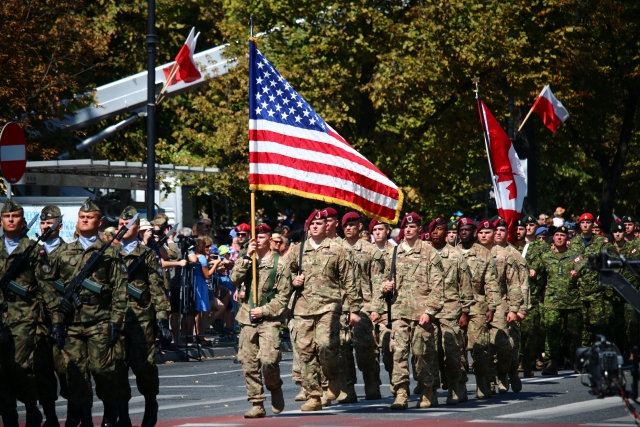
259,353
362,340
296,370
48,361
501,345
347,362
448,338
530,331
136,350
598,318
409,338
383,336
563,330
16,365
317,338
630,326
87,351
477,341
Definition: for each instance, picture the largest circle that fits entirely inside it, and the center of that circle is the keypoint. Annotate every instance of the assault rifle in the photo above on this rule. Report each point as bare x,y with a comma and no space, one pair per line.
388,296
71,292
7,281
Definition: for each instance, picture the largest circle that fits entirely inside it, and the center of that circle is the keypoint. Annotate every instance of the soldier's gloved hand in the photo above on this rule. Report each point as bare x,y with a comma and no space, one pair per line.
5,334
113,330
67,308
59,334
163,329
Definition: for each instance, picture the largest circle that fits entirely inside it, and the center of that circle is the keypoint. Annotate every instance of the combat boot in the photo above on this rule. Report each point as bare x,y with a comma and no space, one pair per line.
124,420
74,414
313,404
10,418
426,398
350,396
527,371
452,395
514,380
416,389
277,400
49,409
86,417
503,383
256,411
325,402
110,417
150,417
371,388
302,396
34,416
402,398
461,391
550,368
491,384
333,389
482,390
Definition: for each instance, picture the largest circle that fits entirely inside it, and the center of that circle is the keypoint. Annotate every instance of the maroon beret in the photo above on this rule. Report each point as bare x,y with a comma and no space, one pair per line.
263,228
485,223
373,223
243,227
411,218
329,212
350,216
436,222
500,223
314,215
465,221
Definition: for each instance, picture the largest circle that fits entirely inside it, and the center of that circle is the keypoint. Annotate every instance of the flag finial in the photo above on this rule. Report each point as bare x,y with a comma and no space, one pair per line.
251,25
475,80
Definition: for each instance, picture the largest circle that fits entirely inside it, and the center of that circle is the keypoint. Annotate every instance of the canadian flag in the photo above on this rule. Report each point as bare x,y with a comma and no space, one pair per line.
550,110
186,68
509,185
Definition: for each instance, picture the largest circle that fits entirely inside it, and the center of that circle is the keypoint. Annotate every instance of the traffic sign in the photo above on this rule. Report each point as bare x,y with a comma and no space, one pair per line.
13,152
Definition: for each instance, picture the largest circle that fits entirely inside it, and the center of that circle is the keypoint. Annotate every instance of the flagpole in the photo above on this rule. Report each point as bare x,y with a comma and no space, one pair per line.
172,74
476,80
254,266
525,119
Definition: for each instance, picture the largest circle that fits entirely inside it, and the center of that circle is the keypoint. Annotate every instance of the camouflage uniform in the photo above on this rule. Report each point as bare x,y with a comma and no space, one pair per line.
597,301
317,313
627,324
259,347
379,305
563,318
419,277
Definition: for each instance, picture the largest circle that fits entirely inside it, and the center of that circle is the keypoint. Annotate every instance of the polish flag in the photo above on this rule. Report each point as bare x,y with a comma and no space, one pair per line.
550,110
509,185
187,70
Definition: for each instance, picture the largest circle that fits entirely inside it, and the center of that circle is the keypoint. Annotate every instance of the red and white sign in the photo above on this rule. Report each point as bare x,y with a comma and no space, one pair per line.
13,152
550,110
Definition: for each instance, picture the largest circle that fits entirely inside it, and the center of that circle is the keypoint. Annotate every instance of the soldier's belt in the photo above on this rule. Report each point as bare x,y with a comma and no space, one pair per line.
59,285
138,294
94,287
17,288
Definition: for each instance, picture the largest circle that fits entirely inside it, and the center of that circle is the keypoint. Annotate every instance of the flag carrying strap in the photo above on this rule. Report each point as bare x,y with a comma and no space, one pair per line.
268,296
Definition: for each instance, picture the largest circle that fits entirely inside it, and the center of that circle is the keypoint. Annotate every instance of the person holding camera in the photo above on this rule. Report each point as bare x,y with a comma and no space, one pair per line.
259,317
202,271
175,279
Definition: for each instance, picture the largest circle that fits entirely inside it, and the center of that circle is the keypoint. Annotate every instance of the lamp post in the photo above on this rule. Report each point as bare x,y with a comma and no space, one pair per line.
152,42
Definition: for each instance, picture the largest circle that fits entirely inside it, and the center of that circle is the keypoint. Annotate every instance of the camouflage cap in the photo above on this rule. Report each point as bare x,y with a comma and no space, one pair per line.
49,212
11,206
89,206
128,213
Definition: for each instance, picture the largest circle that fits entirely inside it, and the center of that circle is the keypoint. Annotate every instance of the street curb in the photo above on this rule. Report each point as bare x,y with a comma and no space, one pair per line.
205,352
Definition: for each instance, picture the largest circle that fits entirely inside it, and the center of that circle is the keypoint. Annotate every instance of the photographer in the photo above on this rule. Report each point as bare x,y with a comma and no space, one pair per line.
183,249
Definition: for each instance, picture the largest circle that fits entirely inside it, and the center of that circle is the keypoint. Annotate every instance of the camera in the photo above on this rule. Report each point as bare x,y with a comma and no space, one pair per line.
185,242
602,364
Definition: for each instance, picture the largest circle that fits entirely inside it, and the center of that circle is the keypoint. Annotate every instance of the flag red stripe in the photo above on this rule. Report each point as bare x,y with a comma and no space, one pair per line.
322,190
324,169
543,108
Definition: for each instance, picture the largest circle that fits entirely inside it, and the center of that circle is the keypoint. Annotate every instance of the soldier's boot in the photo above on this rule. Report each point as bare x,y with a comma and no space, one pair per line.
124,420
277,400
371,388
491,384
482,390
550,368
86,416
313,404
150,417
526,367
461,391
350,396
416,389
333,389
503,383
256,411
452,395
110,417
302,396
514,380
10,417
343,388
49,409
324,400
74,415
426,397
402,398
34,416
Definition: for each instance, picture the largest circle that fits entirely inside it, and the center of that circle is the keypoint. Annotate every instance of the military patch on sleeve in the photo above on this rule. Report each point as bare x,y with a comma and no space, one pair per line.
606,240
634,251
578,259
46,268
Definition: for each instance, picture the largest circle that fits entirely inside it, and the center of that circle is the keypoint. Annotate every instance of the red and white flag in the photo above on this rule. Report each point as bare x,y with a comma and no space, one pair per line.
550,110
293,150
187,70
509,185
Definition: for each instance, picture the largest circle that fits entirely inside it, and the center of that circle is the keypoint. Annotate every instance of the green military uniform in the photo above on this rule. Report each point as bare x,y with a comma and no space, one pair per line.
597,301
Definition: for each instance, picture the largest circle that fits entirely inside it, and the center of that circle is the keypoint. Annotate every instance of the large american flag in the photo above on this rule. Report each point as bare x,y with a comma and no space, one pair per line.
293,150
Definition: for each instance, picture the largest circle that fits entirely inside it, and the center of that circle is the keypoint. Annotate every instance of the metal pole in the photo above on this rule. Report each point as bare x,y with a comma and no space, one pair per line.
152,42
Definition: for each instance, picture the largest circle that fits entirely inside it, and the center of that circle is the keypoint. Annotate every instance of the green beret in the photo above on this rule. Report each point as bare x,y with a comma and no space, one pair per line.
562,229
529,220
49,212
521,222
89,206
628,218
128,213
453,225
11,206
617,227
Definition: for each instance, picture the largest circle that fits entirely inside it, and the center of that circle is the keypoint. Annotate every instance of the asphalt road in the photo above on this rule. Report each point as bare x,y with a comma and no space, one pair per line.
212,393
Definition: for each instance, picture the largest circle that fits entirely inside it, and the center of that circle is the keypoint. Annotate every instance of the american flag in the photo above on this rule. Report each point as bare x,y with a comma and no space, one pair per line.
293,150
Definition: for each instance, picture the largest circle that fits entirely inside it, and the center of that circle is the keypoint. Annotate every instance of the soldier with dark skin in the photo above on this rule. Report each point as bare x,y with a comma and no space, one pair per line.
93,328
147,309
19,307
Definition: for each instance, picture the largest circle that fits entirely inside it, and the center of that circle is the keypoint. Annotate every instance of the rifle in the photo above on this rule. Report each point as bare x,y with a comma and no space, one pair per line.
7,281
299,289
389,295
71,292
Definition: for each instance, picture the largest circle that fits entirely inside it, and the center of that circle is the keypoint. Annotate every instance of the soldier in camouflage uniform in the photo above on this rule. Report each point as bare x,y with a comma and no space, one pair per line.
242,233
561,269
19,312
323,276
597,301
259,348
332,224
416,302
368,266
147,309
486,296
457,297
48,359
94,328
